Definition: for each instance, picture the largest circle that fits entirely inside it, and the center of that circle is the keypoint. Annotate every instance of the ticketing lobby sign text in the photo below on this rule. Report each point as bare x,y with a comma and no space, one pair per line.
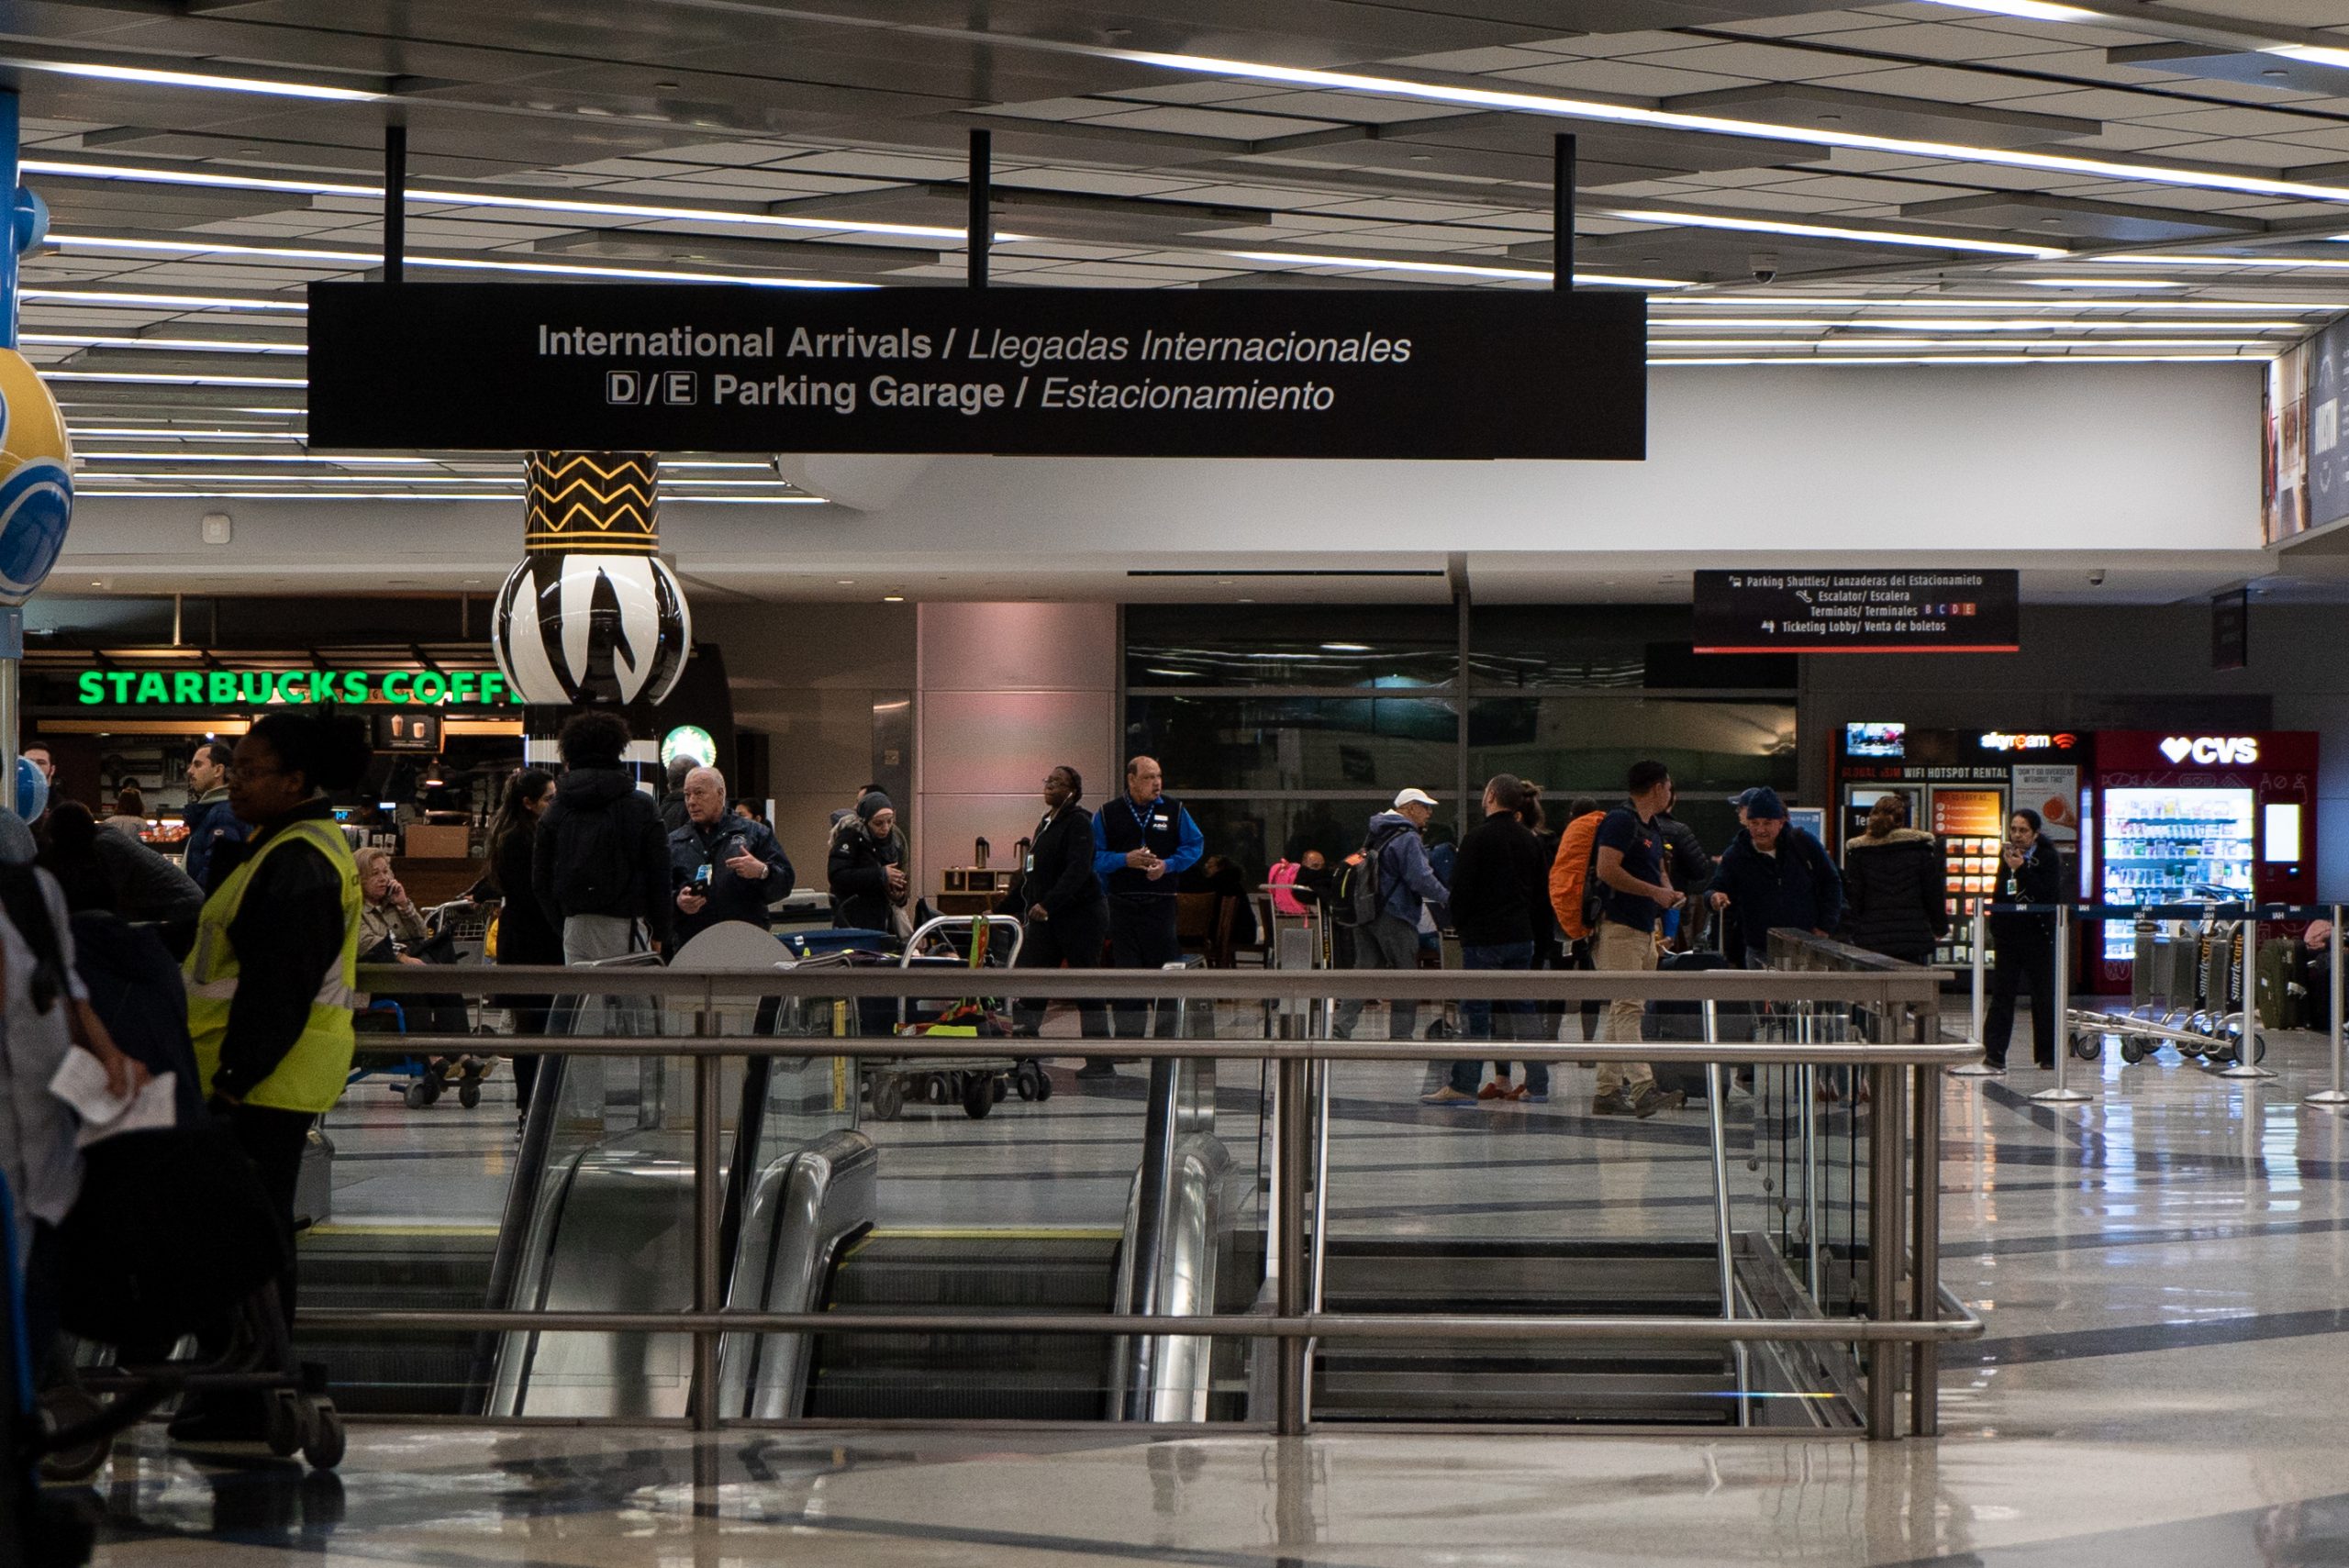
1857,612
1037,373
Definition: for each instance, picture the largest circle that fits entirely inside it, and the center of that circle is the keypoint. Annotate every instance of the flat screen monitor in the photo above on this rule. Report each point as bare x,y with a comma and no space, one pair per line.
2279,833
1875,739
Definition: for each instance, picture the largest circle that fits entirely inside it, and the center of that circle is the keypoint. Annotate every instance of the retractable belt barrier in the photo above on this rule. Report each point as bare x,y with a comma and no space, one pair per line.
2212,1032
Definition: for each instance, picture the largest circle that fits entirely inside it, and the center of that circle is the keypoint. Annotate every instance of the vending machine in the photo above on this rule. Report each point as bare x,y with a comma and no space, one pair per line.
2184,818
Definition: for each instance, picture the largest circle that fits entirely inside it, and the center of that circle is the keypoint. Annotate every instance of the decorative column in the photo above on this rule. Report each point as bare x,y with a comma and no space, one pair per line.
35,457
591,616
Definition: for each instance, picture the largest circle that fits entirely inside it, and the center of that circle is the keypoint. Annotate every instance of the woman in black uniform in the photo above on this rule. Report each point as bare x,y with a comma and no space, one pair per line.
2028,872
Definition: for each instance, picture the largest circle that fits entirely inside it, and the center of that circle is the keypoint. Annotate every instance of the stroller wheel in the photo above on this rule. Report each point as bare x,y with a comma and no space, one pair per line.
325,1447
64,1406
469,1090
888,1099
2132,1050
420,1094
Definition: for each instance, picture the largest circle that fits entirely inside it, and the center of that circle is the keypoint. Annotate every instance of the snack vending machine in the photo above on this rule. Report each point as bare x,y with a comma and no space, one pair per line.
2198,819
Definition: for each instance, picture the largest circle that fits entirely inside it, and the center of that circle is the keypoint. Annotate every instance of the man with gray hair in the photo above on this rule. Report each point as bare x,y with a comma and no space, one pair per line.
723,867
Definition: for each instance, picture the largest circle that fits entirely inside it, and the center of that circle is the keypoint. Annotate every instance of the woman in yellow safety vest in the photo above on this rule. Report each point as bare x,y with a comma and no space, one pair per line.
274,975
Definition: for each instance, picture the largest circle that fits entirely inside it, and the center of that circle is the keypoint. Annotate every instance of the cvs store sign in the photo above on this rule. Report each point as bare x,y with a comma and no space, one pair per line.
2211,750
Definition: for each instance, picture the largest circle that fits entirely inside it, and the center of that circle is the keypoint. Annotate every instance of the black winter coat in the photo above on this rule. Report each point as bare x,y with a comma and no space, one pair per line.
1063,879
1895,894
858,872
2040,880
638,872
524,933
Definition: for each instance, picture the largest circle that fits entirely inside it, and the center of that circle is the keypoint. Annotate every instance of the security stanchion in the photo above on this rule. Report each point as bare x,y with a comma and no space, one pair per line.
2247,1049
2337,1095
2062,1094
1977,1069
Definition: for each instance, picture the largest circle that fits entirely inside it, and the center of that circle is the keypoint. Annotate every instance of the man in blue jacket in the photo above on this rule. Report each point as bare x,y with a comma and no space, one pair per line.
1407,883
1776,874
210,823
723,867
1143,843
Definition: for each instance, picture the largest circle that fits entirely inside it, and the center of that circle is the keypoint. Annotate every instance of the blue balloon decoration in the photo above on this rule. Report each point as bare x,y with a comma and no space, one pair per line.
32,789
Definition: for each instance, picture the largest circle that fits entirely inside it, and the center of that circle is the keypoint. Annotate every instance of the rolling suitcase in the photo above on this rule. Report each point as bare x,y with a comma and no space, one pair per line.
2283,1000
1686,1021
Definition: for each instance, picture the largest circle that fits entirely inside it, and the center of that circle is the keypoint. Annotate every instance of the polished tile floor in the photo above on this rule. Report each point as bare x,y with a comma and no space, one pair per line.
2162,1270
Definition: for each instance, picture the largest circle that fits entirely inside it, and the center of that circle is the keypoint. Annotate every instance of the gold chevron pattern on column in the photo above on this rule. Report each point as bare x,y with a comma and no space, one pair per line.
598,502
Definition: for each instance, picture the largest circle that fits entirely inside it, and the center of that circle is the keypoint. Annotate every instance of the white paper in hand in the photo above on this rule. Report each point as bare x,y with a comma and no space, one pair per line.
151,1108
81,1082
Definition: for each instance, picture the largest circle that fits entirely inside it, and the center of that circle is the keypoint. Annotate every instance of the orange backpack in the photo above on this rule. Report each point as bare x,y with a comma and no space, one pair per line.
1570,874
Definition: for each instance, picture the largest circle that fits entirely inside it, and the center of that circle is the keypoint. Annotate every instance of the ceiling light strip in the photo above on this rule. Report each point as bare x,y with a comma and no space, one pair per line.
147,76
355,261
1832,231
1718,125
573,205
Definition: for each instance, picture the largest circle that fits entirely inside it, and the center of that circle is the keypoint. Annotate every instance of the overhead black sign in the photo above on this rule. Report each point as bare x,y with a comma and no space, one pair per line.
2231,629
1039,373
1856,612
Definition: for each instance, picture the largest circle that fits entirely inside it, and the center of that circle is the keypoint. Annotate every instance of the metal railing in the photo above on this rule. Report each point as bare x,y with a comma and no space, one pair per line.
1907,1304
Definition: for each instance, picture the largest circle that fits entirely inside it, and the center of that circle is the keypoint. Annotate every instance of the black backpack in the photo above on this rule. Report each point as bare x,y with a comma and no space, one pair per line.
593,870
1362,889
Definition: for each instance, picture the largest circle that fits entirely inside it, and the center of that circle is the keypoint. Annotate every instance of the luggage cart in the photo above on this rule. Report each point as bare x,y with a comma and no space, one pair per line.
978,1084
2188,992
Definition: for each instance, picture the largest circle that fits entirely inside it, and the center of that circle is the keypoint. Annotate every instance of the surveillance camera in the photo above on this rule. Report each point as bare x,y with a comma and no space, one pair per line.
1765,264
2096,579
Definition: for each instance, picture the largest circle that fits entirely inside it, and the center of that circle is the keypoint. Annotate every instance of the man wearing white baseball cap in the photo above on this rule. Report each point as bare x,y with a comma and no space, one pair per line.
1380,896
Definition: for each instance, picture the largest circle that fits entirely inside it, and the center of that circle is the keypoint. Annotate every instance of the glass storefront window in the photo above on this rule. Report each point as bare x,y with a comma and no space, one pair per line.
1257,832
1290,645
1585,745
1646,646
1297,743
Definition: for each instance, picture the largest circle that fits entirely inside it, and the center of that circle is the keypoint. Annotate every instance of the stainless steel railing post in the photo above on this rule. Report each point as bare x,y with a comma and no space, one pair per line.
1724,1242
1886,1204
2339,1093
1925,1252
2062,1094
2247,1053
1289,1154
708,1204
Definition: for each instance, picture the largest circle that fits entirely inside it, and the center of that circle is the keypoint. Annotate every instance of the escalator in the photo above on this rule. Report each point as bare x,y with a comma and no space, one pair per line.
954,1377
1614,1381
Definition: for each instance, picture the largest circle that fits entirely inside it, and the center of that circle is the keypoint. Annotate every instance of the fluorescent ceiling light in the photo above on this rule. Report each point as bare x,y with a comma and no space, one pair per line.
157,379
579,206
168,433
1445,268
1665,308
164,301
1831,231
1946,324
2097,282
192,345
1871,344
2315,54
1843,360
2254,263
198,79
2029,10
259,457
1522,101
353,261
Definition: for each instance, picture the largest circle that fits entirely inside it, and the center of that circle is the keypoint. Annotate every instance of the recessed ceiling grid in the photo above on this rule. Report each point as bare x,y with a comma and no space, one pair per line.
1990,182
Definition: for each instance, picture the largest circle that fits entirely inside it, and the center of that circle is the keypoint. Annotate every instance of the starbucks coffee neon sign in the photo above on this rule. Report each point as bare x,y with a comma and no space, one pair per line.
271,688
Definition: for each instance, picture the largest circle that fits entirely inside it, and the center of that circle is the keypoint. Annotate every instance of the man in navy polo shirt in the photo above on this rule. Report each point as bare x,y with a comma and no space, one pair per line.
1633,894
1143,843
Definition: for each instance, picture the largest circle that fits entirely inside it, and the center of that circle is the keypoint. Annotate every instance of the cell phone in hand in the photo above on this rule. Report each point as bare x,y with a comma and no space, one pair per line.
701,875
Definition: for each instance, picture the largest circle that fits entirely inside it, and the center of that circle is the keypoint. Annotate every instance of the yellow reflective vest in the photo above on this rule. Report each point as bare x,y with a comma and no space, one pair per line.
310,1077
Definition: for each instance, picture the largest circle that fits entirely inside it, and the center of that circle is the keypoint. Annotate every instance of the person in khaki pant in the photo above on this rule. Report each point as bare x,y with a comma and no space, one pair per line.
1634,893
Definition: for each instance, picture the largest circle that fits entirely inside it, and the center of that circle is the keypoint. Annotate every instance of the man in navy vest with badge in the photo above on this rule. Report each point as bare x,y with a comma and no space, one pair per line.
1143,843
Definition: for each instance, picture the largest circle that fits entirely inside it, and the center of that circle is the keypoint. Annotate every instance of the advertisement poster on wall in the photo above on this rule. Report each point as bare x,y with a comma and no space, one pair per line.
2328,455
1970,813
2053,791
2284,457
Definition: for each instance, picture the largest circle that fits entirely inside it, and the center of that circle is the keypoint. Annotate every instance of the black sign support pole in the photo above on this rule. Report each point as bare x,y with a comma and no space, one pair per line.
394,201
980,231
1562,213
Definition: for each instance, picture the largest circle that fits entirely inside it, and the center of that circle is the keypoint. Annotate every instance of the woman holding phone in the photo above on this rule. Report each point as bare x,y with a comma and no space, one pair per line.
2028,872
